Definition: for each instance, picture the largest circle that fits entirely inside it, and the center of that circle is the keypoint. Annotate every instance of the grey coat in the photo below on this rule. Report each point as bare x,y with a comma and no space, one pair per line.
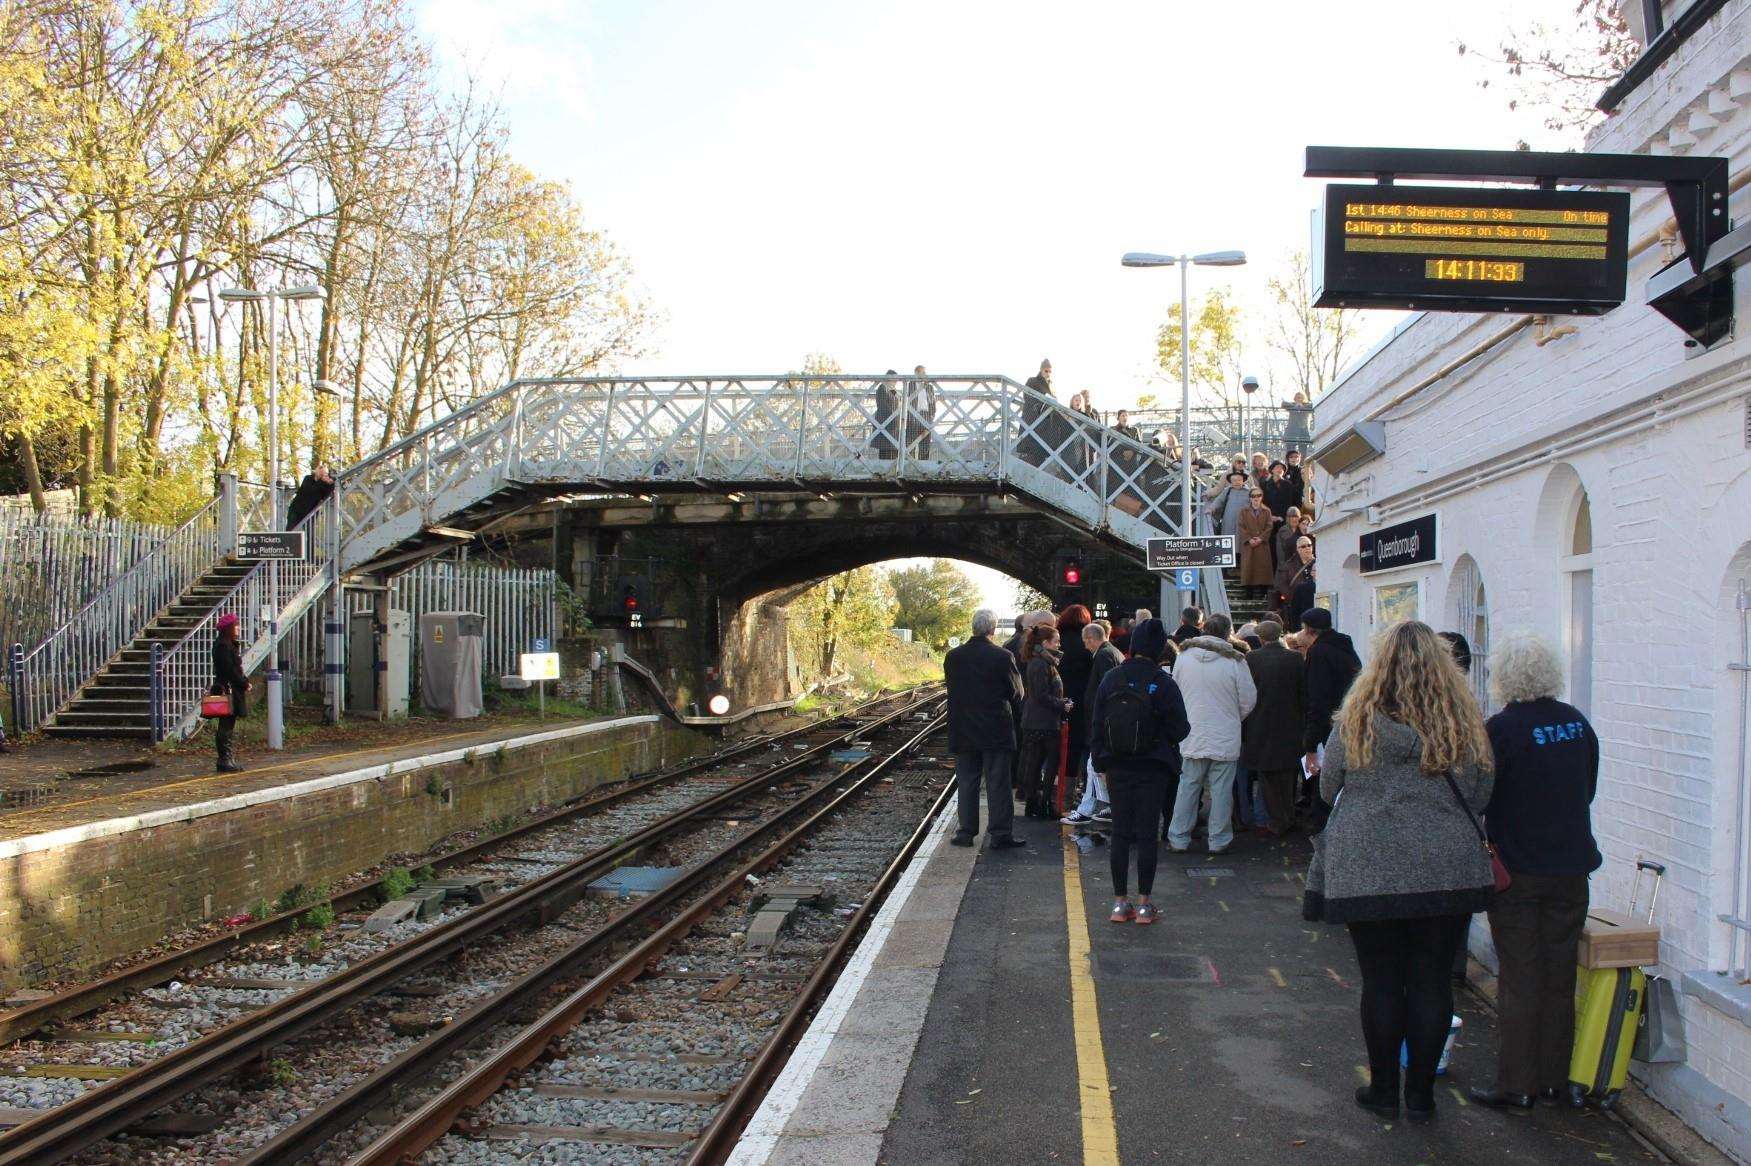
1398,845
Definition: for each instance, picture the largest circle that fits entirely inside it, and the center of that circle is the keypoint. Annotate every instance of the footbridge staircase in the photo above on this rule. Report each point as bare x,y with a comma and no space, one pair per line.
536,440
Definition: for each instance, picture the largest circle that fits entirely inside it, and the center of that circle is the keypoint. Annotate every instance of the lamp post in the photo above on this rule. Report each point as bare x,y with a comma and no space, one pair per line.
276,722
1248,386
1185,262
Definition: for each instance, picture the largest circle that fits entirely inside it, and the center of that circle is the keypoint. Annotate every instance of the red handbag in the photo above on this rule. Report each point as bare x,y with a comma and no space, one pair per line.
215,705
1498,870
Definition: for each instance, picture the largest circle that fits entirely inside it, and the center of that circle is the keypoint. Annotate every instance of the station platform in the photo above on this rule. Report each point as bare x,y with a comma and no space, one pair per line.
995,1015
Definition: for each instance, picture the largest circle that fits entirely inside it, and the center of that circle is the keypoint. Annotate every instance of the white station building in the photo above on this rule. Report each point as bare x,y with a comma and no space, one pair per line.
1590,478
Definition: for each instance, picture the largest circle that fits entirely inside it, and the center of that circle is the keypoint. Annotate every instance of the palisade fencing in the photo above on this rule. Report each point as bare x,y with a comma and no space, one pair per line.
521,605
50,565
45,676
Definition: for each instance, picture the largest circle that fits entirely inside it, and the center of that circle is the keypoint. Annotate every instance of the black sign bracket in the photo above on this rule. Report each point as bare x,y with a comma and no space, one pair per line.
1700,301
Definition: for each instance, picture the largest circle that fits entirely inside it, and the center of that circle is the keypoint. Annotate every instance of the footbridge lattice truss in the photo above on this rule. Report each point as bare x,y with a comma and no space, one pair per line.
532,440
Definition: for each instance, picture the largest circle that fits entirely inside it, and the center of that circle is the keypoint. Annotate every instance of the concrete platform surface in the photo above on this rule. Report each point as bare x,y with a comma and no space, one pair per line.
1228,1033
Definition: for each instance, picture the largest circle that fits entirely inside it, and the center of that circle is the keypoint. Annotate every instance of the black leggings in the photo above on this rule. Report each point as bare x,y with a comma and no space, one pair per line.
1407,995
1039,767
1136,800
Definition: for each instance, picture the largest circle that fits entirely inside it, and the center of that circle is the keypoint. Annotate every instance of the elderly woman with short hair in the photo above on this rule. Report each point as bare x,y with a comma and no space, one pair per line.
1539,817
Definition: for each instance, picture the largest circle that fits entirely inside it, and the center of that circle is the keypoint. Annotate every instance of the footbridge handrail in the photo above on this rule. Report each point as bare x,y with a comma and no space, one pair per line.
728,432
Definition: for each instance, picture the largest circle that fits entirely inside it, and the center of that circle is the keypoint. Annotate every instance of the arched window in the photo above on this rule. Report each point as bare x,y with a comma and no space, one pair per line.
1577,570
1472,620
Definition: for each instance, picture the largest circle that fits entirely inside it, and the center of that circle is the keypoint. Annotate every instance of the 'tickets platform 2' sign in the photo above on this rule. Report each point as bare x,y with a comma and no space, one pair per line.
1405,544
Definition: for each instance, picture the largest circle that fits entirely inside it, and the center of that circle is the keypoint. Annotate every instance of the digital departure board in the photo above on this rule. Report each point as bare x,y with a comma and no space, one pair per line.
1468,249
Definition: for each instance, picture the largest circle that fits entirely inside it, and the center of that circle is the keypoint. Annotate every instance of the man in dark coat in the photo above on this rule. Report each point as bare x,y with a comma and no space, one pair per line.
1270,737
1191,625
1033,411
984,708
1332,664
886,438
312,492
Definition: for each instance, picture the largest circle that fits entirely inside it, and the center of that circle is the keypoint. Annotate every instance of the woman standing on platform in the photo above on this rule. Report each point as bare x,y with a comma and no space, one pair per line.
1042,716
1074,665
228,680
1253,544
1407,771
1540,818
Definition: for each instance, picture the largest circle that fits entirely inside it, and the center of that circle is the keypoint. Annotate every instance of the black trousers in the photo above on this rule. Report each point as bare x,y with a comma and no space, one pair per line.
1039,766
1136,800
1407,995
1536,924
223,727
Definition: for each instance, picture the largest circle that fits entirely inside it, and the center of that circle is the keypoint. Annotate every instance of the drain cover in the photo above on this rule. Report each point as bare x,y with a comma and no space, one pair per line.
1152,965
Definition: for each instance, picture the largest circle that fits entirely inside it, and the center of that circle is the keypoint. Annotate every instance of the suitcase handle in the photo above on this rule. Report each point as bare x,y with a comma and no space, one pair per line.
1658,870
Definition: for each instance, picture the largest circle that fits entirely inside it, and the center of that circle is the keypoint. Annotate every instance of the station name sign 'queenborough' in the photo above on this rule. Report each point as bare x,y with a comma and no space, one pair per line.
1404,544
1472,249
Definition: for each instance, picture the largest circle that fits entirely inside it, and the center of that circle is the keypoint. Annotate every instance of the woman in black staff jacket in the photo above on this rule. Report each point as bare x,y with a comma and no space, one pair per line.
228,678
1540,818
1400,861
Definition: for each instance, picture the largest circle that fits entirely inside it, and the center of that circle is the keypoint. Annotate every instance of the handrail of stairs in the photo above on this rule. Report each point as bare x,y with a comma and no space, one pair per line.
45,678
184,673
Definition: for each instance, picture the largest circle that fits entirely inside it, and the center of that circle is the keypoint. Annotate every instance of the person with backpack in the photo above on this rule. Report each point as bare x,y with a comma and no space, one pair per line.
1138,721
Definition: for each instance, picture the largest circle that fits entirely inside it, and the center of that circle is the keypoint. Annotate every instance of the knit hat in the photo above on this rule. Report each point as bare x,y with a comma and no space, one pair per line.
1147,639
1317,618
228,620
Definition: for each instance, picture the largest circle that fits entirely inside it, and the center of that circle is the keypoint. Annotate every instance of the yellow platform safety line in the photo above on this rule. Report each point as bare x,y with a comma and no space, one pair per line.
1100,1136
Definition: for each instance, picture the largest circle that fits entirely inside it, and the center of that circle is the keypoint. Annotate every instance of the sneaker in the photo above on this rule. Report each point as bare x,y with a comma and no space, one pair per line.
1103,815
1148,913
1075,818
1123,912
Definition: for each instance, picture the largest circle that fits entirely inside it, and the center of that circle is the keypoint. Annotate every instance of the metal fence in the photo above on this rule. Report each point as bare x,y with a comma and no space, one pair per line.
1221,432
521,605
50,565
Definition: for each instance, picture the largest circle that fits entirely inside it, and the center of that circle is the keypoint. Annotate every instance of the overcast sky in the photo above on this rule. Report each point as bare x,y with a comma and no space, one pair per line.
953,183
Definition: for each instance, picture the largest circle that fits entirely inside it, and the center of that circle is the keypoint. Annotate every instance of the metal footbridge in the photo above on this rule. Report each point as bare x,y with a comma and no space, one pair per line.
535,440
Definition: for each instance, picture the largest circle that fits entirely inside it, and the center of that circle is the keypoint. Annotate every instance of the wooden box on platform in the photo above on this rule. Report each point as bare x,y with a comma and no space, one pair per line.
1612,939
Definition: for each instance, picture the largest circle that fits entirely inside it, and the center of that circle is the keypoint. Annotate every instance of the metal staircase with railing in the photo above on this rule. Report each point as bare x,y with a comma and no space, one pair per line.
535,440
117,702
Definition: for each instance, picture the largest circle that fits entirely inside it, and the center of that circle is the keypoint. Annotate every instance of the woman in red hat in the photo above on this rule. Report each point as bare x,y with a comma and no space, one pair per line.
229,680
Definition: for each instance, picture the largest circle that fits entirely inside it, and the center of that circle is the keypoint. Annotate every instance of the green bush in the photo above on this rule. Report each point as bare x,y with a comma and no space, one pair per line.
396,883
319,916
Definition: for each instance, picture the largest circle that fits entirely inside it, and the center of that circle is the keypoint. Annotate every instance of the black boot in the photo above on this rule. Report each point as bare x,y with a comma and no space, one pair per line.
228,762
1379,1102
1419,1097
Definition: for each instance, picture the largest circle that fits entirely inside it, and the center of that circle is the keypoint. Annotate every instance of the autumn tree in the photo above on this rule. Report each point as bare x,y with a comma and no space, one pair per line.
1557,70
935,599
1216,331
852,608
155,152
1314,343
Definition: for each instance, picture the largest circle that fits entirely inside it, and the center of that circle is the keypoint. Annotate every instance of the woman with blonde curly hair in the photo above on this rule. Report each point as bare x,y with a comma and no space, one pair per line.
1540,818
1407,771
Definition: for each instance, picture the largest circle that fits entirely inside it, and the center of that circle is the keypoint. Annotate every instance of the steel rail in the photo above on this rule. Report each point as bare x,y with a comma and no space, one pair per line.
337,1113
110,1108
719,1137
84,998
426,1125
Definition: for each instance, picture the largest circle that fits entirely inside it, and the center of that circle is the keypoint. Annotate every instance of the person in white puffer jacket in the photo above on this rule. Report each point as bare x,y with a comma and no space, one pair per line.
1219,692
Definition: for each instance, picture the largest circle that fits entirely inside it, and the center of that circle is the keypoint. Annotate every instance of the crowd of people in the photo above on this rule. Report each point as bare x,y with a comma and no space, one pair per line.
1209,731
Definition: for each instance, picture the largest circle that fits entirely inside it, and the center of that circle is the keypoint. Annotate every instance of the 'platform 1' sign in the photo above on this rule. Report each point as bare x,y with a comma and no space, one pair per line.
1198,550
270,544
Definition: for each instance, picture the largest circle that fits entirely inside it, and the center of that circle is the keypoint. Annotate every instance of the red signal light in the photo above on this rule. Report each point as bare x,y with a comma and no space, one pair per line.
1072,575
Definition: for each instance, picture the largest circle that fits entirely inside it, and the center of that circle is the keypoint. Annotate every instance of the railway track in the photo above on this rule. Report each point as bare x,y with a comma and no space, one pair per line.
545,866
